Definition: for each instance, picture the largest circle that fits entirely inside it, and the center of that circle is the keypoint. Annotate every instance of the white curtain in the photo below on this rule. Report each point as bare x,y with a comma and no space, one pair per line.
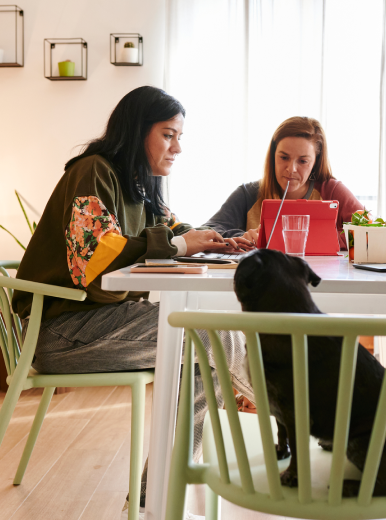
382,125
353,34
241,67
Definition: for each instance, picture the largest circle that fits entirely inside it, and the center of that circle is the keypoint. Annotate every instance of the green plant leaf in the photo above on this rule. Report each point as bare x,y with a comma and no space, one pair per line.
25,214
20,244
34,225
350,239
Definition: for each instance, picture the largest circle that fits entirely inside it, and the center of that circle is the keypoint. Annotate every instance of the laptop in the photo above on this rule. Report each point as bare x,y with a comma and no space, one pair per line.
214,258
322,238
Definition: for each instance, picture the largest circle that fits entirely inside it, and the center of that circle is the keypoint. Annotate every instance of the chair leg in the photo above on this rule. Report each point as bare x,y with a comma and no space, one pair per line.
178,481
9,404
138,394
176,499
212,505
33,434
182,454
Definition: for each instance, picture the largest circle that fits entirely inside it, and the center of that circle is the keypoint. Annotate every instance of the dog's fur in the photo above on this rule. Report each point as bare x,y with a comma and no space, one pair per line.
269,281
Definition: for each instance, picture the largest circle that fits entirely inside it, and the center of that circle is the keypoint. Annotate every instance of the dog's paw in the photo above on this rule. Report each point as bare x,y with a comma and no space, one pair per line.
325,445
351,488
289,478
282,452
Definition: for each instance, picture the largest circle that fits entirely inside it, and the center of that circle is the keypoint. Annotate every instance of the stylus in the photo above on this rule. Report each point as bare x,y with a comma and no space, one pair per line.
277,216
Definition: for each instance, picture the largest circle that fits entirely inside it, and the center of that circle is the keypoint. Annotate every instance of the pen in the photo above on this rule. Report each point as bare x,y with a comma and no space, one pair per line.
277,216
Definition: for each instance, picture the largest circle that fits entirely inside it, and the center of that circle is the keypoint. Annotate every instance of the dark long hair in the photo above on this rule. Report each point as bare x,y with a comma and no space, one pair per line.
123,143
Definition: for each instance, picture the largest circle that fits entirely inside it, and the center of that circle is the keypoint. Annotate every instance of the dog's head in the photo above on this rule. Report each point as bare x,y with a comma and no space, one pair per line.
270,281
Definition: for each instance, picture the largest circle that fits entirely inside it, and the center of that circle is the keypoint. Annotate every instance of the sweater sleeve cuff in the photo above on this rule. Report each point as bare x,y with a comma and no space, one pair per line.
180,244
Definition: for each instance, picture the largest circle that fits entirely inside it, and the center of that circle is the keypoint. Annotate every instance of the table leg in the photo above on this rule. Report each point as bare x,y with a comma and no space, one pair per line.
165,395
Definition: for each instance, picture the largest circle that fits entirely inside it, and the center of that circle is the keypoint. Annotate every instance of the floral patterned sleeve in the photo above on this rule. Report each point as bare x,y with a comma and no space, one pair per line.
90,221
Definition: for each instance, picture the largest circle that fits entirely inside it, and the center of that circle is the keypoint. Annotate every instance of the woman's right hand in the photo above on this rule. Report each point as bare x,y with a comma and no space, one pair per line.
203,240
252,235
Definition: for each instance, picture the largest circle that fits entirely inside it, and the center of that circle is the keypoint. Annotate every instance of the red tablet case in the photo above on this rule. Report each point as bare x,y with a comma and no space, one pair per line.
322,236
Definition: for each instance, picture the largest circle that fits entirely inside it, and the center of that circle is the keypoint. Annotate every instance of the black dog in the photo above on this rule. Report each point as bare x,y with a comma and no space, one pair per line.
269,281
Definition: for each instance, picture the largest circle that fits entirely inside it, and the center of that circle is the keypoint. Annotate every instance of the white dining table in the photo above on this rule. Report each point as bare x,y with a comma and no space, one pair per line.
343,289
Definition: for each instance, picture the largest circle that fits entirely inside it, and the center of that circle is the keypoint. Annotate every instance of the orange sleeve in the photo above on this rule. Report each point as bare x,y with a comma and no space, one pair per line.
109,247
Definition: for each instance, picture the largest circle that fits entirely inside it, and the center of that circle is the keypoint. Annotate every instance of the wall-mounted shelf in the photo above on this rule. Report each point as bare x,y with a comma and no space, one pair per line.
58,50
118,54
11,36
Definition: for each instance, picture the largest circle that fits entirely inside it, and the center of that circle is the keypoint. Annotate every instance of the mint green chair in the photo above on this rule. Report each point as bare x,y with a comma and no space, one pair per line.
18,357
239,454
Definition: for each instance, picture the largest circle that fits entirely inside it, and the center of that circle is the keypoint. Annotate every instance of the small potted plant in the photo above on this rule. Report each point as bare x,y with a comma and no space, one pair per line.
369,244
129,53
66,68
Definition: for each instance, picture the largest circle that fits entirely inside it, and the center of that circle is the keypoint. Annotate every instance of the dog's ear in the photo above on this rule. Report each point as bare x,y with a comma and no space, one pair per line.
249,276
313,278
309,275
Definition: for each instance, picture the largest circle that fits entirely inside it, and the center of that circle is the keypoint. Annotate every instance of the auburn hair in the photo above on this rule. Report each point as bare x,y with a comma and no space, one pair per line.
307,128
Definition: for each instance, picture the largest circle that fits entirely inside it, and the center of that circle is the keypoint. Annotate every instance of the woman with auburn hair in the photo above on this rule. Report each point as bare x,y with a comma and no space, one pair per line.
297,153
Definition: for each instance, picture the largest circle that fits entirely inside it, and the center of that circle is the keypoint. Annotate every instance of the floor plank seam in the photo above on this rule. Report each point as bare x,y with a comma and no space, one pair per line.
61,455
99,483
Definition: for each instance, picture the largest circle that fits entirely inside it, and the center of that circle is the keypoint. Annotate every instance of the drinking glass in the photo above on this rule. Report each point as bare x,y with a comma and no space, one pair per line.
295,233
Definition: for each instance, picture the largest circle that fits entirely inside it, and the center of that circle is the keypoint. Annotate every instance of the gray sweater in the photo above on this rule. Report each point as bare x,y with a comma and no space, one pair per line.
231,219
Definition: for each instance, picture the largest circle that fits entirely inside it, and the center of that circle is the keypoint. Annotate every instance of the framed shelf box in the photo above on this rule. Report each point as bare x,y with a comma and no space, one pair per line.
11,36
126,49
65,59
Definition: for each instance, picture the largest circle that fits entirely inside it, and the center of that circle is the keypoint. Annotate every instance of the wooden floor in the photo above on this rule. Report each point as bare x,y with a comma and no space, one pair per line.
80,465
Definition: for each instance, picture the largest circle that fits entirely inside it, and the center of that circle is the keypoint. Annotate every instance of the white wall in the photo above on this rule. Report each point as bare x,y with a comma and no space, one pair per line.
41,121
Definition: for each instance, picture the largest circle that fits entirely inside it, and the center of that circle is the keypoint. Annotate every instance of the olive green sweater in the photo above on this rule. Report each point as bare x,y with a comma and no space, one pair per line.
46,257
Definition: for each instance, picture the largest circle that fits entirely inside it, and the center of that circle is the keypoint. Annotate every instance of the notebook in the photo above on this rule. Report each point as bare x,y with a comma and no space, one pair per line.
322,238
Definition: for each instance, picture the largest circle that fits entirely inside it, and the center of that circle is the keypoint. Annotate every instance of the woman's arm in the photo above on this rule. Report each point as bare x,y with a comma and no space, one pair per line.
348,204
95,246
231,219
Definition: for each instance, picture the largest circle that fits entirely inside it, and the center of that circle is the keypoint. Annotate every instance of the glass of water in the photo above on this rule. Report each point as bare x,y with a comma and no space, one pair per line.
295,233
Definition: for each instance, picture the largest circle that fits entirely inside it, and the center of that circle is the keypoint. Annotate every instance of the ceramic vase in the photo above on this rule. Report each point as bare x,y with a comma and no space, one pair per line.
129,55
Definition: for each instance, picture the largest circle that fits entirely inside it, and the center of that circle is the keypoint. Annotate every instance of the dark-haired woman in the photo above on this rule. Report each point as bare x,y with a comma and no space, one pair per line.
296,153
107,212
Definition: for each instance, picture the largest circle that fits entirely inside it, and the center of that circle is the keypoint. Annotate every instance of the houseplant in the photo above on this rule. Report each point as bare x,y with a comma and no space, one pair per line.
31,228
370,238
129,53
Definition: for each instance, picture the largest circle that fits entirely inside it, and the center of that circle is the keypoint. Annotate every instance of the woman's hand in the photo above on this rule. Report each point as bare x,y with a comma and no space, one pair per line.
235,245
203,240
244,243
252,235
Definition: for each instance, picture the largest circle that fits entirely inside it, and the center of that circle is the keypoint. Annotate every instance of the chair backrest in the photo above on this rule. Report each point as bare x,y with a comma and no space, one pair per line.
10,326
11,342
298,326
